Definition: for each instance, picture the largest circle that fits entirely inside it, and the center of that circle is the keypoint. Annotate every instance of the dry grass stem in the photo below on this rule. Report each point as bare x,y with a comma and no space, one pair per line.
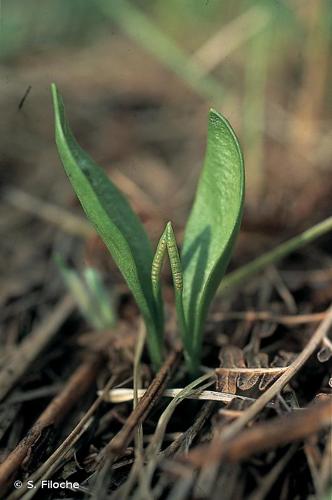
121,440
55,412
232,430
63,219
28,350
283,319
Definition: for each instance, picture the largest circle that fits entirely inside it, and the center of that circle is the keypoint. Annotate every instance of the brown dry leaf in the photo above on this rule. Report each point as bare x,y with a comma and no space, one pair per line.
322,396
247,381
237,372
230,357
281,360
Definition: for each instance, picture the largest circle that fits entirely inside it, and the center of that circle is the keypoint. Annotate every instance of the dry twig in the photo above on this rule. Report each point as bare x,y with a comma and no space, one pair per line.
264,436
218,445
55,412
51,213
121,440
47,468
33,345
283,319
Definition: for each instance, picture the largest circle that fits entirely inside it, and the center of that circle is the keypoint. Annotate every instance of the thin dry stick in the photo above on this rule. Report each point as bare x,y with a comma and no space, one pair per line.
137,384
278,431
283,319
187,437
54,413
152,455
326,465
121,440
47,468
258,371
145,473
282,289
30,493
270,478
261,437
275,389
32,346
235,427
310,451
158,436
124,490
123,395
58,216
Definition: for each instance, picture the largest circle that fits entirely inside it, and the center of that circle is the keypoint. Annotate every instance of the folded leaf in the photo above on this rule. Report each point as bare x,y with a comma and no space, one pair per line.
114,220
213,223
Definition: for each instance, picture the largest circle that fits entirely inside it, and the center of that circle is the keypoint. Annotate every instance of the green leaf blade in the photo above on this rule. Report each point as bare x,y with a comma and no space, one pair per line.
213,223
110,213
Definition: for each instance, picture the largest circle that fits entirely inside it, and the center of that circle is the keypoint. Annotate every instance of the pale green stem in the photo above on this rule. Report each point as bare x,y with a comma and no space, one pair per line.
236,278
155,345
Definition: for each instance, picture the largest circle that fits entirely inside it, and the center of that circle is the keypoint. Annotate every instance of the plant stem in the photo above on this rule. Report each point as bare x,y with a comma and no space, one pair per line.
234,279
193,363
155,343
120,441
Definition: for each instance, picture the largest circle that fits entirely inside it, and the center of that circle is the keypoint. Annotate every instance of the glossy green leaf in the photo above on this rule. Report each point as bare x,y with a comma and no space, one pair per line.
114,220
213,224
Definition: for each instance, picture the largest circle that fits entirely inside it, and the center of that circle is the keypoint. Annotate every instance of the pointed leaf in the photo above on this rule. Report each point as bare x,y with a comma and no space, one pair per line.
213,223
110,213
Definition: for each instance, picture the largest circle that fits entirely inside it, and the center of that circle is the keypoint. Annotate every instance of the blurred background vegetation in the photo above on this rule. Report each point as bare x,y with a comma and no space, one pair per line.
138,78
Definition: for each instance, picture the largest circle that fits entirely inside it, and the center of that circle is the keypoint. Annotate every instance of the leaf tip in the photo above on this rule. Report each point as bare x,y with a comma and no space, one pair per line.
56,102
54,92
217,118
59,113
169,229
218,121
213,113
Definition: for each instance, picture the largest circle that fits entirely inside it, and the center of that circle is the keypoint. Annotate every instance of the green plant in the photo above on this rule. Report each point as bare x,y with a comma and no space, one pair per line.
208,242
90,294
244,273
